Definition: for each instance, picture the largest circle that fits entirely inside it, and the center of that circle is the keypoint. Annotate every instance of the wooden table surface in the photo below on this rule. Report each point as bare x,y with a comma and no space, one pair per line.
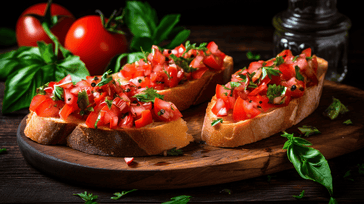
21,183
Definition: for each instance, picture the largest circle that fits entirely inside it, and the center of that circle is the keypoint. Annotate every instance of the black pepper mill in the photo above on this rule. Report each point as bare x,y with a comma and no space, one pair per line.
316,24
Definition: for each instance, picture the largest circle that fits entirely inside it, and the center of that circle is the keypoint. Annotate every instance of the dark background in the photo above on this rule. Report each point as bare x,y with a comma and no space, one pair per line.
193,12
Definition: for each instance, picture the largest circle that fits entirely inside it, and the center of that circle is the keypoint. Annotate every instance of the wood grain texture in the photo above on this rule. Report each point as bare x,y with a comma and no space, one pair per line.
203,165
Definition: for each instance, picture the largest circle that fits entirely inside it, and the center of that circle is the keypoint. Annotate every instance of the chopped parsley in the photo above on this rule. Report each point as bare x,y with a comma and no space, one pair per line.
57,93
335,108
275,91
148,95
119,195
174,152
298,74
308,130
348,122
184,63
105,78
217,121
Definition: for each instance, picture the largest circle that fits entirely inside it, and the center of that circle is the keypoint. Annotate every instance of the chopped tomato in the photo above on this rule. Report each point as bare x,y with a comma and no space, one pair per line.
165,111
66,111
287,70
214,61
145,119
49,108
244,110
36,101
219,109
307,52
253,66
126,121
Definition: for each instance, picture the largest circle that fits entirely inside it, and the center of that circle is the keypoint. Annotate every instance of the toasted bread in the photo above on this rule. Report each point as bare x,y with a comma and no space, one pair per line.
234,134
195,91
152,139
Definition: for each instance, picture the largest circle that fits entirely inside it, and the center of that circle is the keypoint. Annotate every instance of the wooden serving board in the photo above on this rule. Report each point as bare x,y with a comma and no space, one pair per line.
203,165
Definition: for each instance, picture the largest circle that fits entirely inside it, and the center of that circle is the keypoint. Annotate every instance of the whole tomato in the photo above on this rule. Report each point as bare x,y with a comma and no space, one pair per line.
95,44
29,29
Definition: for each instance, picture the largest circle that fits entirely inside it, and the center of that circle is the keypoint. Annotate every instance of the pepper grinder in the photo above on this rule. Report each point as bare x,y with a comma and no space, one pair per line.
316,24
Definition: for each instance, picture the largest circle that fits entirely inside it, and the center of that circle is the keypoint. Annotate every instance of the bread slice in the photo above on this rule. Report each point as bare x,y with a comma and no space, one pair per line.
152,139
196,91
234,134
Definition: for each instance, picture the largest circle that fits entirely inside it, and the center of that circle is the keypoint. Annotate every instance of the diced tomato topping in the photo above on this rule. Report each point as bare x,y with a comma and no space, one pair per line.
244,110
165,111
145,119
36,101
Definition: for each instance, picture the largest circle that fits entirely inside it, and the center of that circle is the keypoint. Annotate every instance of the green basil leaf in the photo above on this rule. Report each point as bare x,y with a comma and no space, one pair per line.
46,51
140,18
71,65
178,39
17,59
148,95
308,162
182,199
165,27
141,42
17,94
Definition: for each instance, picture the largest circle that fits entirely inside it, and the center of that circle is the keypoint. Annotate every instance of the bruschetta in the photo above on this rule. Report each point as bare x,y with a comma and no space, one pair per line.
264,99
186,75
100,116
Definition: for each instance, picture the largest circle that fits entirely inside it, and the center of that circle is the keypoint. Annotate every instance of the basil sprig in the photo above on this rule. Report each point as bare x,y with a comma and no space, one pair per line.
147,30
28,68
308,162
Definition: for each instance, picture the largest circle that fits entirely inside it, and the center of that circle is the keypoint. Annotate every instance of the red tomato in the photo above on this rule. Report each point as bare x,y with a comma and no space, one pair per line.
36,101
144,120
95,45
49,108
29,30
165,111
219,108
244,110
126,121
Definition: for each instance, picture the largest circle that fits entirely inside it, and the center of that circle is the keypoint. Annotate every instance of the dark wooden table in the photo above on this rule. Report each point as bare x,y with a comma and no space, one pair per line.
22,183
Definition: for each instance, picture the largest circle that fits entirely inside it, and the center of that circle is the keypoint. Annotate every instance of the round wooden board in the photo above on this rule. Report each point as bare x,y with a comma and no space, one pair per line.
203,165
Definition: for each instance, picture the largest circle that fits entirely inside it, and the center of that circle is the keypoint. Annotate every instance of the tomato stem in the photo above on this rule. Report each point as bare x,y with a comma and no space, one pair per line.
113,22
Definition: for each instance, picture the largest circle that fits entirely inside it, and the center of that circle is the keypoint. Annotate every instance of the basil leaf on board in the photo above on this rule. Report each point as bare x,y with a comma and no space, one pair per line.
178,39
308,162
182,199
335,108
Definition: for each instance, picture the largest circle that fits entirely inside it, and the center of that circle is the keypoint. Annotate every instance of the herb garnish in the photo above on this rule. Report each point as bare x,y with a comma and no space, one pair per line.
105,78
83,102
252,56
217,121
89,198
148,95
118,195
142,21
308,130
308,162
275,91
300,195
348,122
182,199
174,152
335,108
298,74
184,63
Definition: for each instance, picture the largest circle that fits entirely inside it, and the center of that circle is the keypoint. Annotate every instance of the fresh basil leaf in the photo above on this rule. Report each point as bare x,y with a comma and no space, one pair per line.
308,130
178,39
335,108
148,95
182,199
308,162
141,42
298,74
46,51
17,59
105,78
17,93
119,195
165,27
300,195
140,18
333,201
348,122
71,65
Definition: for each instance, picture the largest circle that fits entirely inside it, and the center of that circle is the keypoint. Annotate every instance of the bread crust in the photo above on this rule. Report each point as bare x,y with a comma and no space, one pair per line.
152,139
234,134
196,91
